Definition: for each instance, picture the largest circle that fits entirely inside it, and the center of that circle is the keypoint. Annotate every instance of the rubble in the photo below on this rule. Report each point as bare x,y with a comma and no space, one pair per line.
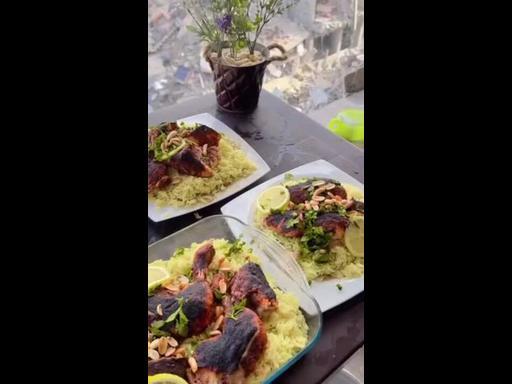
325,56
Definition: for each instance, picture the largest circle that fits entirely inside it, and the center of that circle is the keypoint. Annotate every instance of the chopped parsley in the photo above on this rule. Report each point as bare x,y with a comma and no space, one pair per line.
178,317
339,287
237,309
219,295
236,247
315,238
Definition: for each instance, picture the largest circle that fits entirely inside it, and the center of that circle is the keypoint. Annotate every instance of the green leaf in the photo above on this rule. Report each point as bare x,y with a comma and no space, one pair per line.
219,295
237,309
236,247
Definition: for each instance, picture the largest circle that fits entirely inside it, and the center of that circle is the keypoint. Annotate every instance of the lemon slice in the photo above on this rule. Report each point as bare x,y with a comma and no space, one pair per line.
165,378
273,198
353,192
354,236
156,276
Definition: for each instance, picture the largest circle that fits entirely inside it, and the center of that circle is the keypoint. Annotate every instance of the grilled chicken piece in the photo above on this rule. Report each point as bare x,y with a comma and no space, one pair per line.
202,259
355,205
339,191
212,156
250,283
277,222
158,176
189,161
198,306
333,223
299,193
204,135
168,365
229,357
151,317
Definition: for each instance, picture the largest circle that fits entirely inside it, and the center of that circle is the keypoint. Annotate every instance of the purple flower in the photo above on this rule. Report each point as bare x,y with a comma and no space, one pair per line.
224,23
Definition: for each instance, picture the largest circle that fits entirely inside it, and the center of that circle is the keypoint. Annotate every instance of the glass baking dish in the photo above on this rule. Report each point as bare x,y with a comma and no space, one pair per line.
275,261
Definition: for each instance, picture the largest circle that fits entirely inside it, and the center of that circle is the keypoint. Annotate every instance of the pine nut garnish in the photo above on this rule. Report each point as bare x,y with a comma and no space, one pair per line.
222,286
316,207
169,352
180,351
193,364
318,198
215,333
162,346
330,186
318,183
218,322
154,344
171,287
172,342
159,310
153,355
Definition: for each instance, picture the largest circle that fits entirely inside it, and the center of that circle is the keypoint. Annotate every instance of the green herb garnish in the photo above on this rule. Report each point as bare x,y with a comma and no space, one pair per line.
178,317
179,251
237,309
219,295
288,177
315,238
236,247
339,287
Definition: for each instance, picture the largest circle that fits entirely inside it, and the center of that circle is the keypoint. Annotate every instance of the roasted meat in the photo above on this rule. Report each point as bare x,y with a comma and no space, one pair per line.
355,205
158,175
278,222
189,161
198,306
204,135
202,259
339,191
333,223
250,283
168,365
229,357
299,193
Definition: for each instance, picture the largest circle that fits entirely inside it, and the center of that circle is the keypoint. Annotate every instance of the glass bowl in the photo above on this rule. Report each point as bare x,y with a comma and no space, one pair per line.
275,261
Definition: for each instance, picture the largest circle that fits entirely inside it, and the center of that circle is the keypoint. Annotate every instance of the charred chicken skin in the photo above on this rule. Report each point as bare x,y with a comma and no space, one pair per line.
158,175
190,161
231,356
299,193
168,365
250,283
204,135
198,306
333,223
278,223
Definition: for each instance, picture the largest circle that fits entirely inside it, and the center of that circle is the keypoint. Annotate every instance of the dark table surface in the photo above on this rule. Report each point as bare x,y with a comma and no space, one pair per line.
286,139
